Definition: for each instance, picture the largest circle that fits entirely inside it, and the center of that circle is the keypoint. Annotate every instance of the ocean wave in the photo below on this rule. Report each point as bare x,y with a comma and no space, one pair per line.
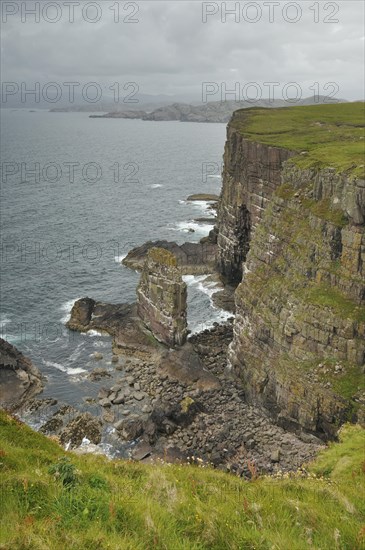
198,281
212,314
192,227
156,185
66,308
205,206
192,280
76,353
220,317
72,371
92,333
4,319
119,259
15,340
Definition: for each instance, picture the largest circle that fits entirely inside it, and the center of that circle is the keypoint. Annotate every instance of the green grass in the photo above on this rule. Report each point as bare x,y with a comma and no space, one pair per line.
346,383
327,135
327,296
89,502
285,191
322,209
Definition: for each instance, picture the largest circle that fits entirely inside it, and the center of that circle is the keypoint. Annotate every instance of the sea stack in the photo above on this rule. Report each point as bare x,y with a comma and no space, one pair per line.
161,296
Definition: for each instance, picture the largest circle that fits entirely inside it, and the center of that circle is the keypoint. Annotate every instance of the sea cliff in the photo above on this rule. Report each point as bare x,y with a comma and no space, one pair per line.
291,231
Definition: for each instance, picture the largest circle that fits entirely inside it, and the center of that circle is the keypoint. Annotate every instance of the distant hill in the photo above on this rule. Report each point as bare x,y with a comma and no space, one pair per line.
217,111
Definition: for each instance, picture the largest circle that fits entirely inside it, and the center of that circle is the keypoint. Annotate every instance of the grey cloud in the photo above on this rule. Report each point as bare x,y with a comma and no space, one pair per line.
171,51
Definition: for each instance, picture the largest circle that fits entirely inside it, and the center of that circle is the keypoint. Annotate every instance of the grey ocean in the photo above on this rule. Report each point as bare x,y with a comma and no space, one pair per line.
84,192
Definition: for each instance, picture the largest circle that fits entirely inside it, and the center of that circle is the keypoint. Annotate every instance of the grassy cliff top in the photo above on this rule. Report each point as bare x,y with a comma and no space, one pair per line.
330,135
56,500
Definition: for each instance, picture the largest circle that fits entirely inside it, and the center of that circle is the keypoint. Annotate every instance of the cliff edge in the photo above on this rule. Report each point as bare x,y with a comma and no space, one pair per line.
291,232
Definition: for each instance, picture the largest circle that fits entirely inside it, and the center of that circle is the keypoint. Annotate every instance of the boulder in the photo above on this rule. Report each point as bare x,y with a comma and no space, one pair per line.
81,314
129,429
83,425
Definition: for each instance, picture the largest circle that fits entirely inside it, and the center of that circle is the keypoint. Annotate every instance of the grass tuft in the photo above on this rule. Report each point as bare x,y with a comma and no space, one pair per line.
122,505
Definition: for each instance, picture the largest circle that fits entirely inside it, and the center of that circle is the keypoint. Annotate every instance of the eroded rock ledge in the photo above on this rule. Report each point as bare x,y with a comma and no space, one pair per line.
20,380
192,258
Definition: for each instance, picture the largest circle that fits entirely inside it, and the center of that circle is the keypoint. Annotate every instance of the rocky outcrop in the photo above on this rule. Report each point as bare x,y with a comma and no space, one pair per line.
295,239
72,431
161,296
20,380
121,321
192,258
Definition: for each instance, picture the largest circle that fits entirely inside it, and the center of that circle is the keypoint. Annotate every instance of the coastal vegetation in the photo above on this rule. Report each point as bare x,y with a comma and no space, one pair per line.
52,499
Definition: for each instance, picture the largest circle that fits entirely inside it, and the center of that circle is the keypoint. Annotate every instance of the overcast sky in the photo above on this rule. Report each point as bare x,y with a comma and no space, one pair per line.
170,50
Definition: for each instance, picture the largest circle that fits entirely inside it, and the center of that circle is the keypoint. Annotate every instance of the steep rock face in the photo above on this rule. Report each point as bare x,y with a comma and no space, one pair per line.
252,172
298,237
20,380
161,296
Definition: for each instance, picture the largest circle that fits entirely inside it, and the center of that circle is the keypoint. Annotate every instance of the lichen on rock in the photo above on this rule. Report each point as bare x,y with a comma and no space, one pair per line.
162,296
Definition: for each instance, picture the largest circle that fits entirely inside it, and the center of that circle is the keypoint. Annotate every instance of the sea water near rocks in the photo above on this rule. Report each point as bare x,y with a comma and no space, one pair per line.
67,225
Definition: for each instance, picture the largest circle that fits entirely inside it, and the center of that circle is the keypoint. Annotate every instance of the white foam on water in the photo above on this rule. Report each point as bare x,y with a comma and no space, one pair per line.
66,308
156,185
4,320
76,353
119,259
215,176
214,314
205,207
220,317
9,337
192,227
71,371
92,333
193,279
198,281
101,344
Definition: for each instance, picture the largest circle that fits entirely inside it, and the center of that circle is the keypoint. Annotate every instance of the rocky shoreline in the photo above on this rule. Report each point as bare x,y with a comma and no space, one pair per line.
247,396
165,398
183,407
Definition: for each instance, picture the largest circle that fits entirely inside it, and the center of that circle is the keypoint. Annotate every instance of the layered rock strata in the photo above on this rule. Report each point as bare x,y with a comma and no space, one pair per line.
295,239
161,296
